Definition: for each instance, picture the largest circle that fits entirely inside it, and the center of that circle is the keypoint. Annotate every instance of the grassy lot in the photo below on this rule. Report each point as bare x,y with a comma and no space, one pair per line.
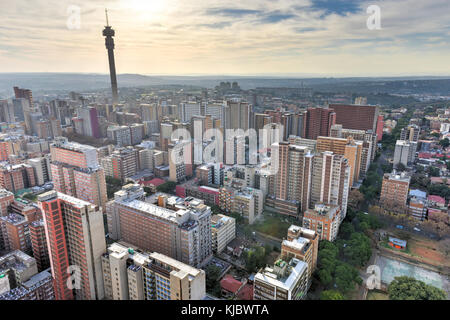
273,225
377,295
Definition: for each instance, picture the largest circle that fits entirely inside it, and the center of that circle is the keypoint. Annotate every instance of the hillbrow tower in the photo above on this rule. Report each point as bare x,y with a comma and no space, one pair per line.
109,33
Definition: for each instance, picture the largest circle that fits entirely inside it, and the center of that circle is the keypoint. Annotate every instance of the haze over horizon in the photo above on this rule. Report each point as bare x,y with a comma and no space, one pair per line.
303,38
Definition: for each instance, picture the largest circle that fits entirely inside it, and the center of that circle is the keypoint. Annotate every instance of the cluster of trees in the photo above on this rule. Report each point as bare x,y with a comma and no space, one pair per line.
407,288
112,186
371,186
338,261
420,180
212,280
167,187
334,273
257,257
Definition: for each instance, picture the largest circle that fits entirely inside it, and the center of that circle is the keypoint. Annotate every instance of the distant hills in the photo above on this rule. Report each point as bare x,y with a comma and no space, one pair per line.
51,82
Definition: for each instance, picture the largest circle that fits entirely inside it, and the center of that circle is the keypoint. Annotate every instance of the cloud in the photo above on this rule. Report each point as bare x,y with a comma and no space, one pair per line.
223,36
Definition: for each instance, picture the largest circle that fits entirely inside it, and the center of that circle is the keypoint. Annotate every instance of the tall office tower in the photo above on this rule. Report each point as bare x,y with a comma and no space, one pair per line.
75,171
39,244
75,237
6,112
17,177
24,94
237,115
357,117
302,244
394,191
216,110
149,112
405,152
319,122
91,127
182,231
235,150
6,198
286,280
109,33
330,180
350,149
261,120
324,219
298,127
188,110
293,178
20,107
410,133
121,164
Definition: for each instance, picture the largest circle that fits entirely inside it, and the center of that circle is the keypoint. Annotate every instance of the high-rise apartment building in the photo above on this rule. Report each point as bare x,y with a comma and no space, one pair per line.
302,244
293,178
394,191
319,122
238,115
76,237
75,171
324,219
330,180
17,177
168,279
405,152
121,164
188,110
352,150
223,230
121,135
182,232
357,117
6,198
39,244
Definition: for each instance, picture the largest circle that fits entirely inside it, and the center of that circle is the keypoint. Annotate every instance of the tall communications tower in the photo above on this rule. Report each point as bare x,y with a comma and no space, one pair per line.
109,33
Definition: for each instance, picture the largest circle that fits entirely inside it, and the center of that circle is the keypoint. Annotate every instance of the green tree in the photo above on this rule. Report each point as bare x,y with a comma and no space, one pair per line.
345,276
212,280
331,295
407,288
444,143
358,250
346,229
167,187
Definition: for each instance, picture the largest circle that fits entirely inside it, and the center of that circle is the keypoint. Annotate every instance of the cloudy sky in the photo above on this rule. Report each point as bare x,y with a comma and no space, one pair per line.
321,37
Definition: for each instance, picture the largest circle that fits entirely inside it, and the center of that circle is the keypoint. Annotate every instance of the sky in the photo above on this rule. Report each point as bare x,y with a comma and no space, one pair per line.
223,37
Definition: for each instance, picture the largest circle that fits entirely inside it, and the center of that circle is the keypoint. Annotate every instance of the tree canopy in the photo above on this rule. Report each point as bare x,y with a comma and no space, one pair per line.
407,288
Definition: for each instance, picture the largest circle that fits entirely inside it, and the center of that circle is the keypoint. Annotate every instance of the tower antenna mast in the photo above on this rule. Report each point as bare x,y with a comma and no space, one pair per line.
107,21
